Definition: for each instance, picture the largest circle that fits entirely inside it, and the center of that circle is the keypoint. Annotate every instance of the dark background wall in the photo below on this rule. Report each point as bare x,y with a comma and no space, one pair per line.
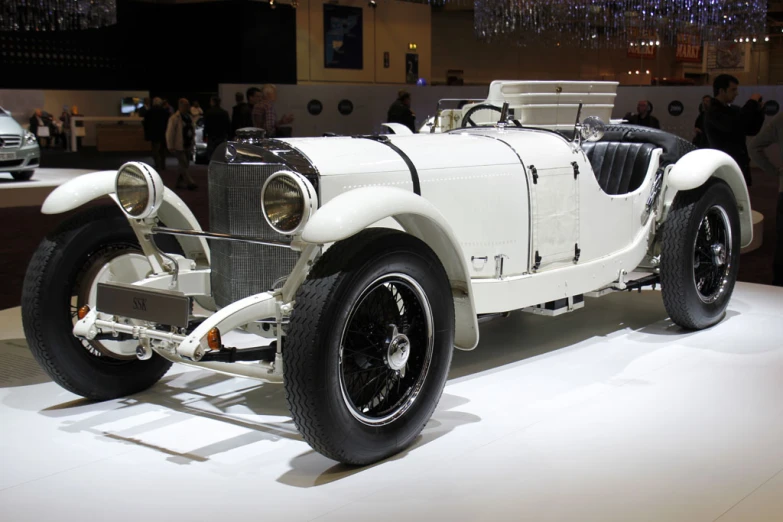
166,49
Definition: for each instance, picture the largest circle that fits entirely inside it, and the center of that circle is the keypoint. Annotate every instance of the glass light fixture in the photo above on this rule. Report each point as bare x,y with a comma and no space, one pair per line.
56,15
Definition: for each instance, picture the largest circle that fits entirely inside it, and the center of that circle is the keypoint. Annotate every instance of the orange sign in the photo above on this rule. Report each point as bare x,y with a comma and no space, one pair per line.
688,48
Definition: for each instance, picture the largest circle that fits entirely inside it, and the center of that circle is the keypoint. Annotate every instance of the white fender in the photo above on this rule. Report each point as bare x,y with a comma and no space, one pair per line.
78,191
353,211
695,168
173,212
397,128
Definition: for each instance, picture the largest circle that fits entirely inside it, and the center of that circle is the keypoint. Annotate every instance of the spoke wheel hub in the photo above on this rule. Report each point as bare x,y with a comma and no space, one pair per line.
398,349
718,254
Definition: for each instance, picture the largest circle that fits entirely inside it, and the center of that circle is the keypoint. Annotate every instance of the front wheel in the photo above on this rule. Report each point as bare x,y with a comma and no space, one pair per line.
700,256
95,246
369,346
23,175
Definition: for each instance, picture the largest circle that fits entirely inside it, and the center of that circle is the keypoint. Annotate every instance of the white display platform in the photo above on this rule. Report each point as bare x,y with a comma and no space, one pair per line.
610,413
33,192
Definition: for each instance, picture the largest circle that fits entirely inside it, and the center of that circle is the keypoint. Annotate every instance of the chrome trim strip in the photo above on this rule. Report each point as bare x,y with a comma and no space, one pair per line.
213,235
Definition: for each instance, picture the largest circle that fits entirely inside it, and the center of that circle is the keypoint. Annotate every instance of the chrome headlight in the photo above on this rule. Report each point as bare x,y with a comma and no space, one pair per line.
288,199
29,138
139,189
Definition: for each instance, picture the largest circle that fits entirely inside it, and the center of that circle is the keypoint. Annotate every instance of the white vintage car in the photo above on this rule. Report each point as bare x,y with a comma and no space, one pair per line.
349,268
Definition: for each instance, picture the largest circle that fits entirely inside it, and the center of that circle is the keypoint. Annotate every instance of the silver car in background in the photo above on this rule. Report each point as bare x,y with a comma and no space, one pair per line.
19,151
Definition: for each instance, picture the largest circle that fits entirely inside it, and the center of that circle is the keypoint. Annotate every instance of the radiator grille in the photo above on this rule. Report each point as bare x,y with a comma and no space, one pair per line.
10,141
243,269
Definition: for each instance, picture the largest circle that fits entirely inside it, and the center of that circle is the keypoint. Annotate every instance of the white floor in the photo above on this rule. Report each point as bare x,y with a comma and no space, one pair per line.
607,414
33,192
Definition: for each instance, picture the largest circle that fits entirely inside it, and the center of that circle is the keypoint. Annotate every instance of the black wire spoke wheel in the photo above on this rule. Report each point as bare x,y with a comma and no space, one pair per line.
700,255
368,347
712,254
386,350
467,120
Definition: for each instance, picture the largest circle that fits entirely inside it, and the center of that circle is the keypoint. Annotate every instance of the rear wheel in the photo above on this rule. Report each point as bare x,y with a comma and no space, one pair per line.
369,346
700,256
95,246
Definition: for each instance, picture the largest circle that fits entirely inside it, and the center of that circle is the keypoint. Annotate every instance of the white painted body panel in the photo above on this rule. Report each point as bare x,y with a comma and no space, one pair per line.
474,182
696,167
479,184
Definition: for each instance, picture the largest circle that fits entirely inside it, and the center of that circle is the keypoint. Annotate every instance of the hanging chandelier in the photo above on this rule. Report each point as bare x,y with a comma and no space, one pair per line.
56,15
616,23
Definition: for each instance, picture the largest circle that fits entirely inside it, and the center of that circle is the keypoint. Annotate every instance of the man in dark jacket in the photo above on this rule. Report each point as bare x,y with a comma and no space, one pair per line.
726,125
217,125
155,121
400,111
643,115
242,114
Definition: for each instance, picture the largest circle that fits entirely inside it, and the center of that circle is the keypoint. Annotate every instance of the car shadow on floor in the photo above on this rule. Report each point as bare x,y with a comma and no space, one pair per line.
255,412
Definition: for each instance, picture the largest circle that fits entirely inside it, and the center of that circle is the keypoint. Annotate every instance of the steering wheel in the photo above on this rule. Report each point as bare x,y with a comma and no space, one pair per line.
468,122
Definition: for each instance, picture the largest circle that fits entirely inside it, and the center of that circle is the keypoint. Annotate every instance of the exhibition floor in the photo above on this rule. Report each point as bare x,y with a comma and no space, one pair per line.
610,413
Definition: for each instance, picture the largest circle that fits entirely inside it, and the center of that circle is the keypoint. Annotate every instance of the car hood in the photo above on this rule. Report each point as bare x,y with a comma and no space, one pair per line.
8,125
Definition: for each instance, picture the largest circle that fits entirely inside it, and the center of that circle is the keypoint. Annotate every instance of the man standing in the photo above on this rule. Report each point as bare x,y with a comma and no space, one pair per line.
238,113
726,125
772,133
243,113
400,111
155,123
217,125
180,136
643,116
142,111
265,115
699,138
40,126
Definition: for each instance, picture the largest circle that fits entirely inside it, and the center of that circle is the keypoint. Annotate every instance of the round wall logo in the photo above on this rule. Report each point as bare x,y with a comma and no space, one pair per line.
771,107
345,107
676,107
315,107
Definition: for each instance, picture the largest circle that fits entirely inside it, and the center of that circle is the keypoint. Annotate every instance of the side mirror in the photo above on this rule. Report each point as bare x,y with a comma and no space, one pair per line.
592,129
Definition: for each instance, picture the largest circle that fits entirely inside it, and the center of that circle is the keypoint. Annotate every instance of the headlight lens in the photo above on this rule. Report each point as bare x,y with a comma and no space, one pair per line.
139,190
287,201
29,138
132,190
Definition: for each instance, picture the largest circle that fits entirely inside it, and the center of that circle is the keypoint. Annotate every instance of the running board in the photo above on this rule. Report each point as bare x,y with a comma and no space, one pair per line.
558,307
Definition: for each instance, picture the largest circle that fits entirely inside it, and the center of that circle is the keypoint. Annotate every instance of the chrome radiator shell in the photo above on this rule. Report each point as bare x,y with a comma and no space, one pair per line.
241,269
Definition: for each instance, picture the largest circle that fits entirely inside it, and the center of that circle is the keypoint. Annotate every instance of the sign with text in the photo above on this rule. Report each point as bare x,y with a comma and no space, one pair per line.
641,44
688,48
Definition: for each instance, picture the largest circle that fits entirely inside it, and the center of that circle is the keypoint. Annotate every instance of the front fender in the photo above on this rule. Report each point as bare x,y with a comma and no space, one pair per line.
88,187
695,168
353,211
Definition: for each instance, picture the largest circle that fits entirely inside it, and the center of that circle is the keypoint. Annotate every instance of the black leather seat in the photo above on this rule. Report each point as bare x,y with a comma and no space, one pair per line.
619,167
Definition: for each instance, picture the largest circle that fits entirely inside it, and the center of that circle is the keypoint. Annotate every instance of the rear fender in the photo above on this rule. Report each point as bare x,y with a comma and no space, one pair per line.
173,212
696,168
353,211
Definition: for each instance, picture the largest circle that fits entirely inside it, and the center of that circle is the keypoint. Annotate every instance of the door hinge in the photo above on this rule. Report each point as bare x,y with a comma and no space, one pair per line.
534,172
538,261
577,252
576,169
